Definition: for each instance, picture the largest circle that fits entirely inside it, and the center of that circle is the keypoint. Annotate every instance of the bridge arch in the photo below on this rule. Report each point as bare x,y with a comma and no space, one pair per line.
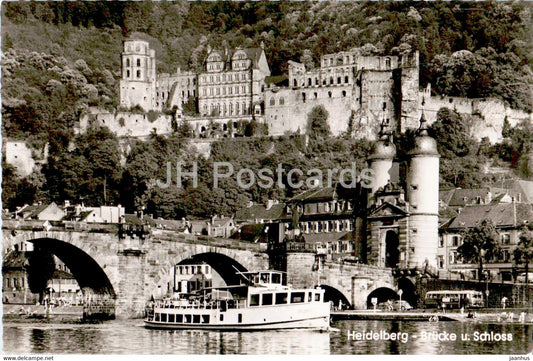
227,267
336,296
83,267
382,294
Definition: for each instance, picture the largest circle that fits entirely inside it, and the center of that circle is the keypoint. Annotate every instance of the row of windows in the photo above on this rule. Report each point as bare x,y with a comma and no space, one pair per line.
244,89
138,74
326,226
172,318
224,77
226,108
455,258
188,270
14,282
456,240
129,64
283,298
335,60
315,95
324,81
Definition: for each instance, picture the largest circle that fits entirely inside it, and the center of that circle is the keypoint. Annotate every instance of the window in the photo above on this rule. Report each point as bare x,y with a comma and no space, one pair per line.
272,101
138,73
281,298
163,317
205,318
266,299
297,297
506,238
196,319
138,62
221,317
281,101
455,241
128,62
254,300
127,73
188,318
276,278
317,297
239,318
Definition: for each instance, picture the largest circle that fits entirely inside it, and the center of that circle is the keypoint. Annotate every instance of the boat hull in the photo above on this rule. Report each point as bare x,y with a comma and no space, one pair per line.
321,323
304,316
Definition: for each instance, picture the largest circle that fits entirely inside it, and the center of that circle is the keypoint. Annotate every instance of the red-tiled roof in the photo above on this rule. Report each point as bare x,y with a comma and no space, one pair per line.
259,211
502,215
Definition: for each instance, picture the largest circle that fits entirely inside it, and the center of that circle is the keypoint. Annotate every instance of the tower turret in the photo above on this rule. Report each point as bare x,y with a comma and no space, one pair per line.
381,159
422,193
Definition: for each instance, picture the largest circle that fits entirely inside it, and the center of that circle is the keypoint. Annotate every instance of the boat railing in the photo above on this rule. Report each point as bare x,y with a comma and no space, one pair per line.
218,304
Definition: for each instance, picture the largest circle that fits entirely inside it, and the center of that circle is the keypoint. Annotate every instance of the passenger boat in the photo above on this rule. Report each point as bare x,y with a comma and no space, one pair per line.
263,302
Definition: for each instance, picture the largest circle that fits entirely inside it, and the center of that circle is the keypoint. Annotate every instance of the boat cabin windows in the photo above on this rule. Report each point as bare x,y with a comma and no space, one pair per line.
188,318
297,297
239,318
205,318
254,300
221,317
317,297
266,299
179,318
281,298
171,318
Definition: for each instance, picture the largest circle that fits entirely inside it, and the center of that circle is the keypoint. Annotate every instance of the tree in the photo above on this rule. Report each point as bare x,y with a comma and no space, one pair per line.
523,253
480,243
317,122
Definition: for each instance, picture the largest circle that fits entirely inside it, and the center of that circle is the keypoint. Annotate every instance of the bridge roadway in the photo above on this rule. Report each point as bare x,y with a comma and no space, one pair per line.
130,267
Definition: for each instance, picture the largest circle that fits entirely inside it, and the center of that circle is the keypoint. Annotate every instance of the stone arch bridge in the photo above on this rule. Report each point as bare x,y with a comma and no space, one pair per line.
131,269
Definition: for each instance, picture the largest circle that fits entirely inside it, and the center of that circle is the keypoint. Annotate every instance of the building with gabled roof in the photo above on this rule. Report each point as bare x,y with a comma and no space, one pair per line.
48,212
509,220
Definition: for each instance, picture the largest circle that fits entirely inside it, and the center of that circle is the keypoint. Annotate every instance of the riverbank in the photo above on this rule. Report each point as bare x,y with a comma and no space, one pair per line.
483,316
33,312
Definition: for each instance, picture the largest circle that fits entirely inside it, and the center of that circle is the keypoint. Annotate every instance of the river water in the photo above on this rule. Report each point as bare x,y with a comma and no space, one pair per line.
350,337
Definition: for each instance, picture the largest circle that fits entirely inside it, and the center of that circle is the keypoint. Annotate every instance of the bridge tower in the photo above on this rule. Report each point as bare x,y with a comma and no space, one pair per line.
137,84
422,193
381,160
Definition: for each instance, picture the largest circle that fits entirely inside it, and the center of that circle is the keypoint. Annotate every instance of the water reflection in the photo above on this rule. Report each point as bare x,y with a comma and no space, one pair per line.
130,337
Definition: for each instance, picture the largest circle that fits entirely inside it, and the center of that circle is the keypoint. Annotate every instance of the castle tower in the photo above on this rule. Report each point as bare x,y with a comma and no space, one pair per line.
138,81
409,105
381,160
422,193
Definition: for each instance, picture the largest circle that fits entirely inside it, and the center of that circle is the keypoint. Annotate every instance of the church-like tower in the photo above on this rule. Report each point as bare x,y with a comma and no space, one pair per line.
422,195
138,81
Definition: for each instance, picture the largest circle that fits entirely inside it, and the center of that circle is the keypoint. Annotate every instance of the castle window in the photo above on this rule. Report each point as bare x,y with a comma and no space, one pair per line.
295,83
316,81
138,62
329,94
346,79
127,73
138,73
128,62
339,80
272,101
303,97
506,238
330,80
281,101
309,82
387,63
344,93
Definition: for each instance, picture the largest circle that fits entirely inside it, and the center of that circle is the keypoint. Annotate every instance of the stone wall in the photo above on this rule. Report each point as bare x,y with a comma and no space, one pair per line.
490,113
125,124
